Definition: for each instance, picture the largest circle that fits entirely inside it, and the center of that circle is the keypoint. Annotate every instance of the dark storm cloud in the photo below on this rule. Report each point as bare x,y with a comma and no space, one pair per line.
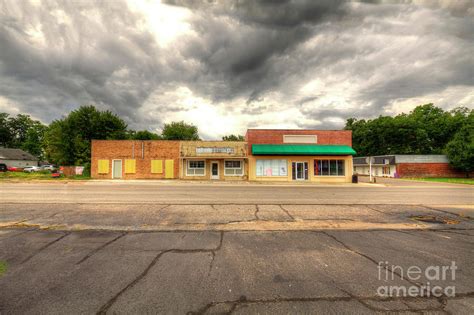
238,41
363,56
98,55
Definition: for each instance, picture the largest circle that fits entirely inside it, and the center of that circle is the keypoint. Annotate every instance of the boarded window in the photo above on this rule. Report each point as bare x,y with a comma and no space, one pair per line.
169,169
103,166
130,166
157,166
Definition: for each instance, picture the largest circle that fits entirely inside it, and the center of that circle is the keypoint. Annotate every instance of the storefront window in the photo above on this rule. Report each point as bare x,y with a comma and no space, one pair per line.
329,168
196,168
272,167
233,168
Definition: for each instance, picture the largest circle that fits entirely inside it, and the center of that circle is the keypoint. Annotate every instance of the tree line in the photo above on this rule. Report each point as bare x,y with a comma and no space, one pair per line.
427,129
66,141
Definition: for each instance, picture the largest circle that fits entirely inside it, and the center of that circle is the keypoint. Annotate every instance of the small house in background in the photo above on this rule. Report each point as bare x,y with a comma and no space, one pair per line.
399,165
17,158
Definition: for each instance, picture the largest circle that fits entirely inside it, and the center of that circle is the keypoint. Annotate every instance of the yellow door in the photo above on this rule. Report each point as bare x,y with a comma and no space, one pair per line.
169,169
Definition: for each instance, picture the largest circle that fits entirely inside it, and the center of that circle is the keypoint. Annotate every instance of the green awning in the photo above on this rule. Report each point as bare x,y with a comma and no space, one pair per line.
301,149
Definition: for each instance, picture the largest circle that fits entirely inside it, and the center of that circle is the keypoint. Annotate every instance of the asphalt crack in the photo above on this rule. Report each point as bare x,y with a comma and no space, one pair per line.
45,247
243,300
109,303
257,209
287,213
448,213
368,257
94,251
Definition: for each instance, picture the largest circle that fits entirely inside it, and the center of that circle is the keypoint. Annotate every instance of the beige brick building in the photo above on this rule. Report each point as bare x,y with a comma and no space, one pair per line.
223,160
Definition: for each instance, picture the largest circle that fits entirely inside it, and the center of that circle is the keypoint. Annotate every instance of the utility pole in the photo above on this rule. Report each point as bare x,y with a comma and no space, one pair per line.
370,169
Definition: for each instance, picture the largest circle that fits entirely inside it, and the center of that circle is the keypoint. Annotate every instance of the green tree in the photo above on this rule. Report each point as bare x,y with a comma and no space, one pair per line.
68,141
425,130
460,150
19,127
6,134
233,138
180,131
34,140
22,132
143,135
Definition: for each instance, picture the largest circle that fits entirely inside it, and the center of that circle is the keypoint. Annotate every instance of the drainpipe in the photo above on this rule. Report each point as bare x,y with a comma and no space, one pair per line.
133,150
143,150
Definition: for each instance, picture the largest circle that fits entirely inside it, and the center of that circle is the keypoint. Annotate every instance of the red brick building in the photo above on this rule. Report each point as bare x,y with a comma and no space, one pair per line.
134,159
323,156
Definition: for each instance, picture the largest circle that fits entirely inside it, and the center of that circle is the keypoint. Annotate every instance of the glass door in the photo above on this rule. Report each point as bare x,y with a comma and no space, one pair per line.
215,170
299,170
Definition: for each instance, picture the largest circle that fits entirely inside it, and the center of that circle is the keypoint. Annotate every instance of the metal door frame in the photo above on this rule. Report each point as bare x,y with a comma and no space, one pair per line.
218,175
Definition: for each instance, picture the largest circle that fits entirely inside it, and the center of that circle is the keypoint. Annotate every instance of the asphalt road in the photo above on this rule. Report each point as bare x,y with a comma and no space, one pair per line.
182,193
127,248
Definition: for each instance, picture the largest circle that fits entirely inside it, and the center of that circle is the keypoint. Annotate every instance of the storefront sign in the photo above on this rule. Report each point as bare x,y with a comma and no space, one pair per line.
207,150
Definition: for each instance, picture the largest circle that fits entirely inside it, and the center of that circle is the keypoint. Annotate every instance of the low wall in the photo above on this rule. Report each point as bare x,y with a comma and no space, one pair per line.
427,170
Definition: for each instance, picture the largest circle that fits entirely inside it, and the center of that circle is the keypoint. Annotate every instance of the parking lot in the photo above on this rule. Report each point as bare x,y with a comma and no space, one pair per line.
144,247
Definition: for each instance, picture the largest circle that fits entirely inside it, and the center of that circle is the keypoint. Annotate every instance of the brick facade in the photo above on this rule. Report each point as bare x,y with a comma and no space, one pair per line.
276,136
142,151
267,136
427,170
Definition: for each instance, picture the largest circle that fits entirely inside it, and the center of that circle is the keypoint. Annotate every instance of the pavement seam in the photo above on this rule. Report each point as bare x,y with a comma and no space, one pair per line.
110,302
94,251
45,246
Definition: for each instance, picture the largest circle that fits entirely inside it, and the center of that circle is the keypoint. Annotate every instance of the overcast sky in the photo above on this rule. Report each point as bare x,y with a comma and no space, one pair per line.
229,66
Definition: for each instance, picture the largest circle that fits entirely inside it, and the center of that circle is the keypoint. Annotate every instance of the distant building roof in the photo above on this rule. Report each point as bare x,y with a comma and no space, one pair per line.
402,158
16,154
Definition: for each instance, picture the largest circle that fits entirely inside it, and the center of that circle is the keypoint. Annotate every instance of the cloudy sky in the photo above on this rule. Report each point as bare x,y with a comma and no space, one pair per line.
228,66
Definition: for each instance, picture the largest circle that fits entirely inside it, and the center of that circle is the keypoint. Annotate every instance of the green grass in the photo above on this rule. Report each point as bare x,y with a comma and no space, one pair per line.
37,176
467,181
3,267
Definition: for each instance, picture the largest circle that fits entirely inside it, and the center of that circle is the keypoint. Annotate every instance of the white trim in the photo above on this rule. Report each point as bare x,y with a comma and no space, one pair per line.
296,170
121,164
218,173
241,167
195,160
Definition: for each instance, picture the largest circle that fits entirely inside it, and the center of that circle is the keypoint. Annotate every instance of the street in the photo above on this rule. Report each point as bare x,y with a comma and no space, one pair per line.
145,247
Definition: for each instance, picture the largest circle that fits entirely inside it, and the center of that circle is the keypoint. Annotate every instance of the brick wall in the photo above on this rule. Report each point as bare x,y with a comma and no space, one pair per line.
427,170
262,136
132,149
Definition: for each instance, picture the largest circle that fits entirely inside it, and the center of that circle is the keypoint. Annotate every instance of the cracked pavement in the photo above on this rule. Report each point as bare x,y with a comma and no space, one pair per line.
280,258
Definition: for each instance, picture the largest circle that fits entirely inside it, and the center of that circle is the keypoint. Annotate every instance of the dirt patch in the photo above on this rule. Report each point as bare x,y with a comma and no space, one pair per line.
434,219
